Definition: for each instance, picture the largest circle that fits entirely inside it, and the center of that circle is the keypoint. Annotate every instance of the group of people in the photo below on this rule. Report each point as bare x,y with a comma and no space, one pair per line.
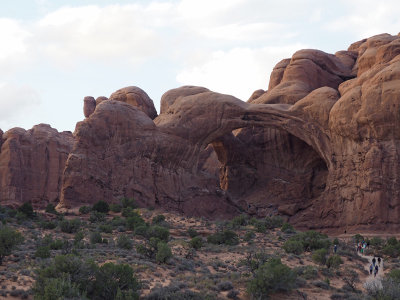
374,266
362,246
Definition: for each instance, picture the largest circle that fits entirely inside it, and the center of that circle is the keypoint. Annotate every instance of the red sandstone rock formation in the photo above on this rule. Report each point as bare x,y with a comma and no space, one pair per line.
89,105
136,97
31,165
320,146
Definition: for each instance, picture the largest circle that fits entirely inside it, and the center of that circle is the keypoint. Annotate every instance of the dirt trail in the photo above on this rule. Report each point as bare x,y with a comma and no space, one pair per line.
371,279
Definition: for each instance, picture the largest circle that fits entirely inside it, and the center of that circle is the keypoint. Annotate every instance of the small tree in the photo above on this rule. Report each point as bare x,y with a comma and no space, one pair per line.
163,252
83,210
95,237
295,247
196,242
50,208
319,256
273,276
9,239
27,209
101,206
70,226
334,261
124,242
112,279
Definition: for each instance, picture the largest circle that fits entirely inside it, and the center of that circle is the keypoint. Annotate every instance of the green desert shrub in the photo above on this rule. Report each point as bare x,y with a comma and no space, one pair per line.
319,256
196,242
227,237
158,232
79,236
115,207
27,210
51,209
114,281
70,277
293,246
9,240
124,242
70,226
101,206
238,221
141,230
107,228
249,235
271,277
128,212
273,222
128,202
376,242
334,261
42,252
57,244
83,210
306,272
163,252
312,240
48,224
95,237
97,217
287,228
134,221
394,275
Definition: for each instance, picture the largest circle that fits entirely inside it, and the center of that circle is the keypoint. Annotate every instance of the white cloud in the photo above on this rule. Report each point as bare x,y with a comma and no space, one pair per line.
97,33
365,18
238,72
16,101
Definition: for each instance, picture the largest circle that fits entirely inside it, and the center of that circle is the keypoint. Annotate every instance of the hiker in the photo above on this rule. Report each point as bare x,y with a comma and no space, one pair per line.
370,269
374,261
379,261
376,270
335,248
368,244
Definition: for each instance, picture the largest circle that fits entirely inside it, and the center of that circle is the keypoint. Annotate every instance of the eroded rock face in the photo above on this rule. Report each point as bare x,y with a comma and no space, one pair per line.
320,146
136,97
31,165
120,152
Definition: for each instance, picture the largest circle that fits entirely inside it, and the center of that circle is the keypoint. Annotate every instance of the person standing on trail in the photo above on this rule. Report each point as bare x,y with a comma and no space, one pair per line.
370,269
376,270
379,261
374,261
335,248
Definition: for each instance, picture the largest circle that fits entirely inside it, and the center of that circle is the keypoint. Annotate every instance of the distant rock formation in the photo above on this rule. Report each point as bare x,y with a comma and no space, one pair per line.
89,105
320,146
31,165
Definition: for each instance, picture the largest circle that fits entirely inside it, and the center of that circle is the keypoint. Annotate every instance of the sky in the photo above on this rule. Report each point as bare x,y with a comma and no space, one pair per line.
53,53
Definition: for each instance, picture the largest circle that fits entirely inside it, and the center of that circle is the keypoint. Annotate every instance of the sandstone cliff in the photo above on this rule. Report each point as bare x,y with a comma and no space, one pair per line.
320,146
31,165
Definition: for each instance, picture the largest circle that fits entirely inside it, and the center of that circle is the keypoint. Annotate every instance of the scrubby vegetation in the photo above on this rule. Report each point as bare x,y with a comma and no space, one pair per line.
124,252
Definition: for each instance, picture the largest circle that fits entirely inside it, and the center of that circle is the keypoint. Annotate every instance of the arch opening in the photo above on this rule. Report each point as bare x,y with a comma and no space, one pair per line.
267,170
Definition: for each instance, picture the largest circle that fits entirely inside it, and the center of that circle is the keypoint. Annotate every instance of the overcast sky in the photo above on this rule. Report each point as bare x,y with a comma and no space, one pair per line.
53,53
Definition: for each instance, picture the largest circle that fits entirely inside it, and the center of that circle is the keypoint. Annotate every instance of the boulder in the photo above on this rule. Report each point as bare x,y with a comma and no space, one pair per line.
100,99
136,97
